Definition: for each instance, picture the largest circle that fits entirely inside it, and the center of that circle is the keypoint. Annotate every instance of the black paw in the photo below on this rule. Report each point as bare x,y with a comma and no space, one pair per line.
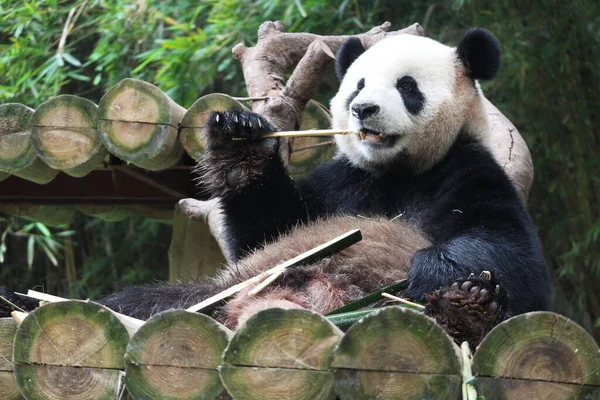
10,302
238,154
469,308
234,128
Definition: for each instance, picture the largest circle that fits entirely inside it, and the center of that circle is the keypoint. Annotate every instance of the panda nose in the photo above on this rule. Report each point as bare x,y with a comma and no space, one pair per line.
363,111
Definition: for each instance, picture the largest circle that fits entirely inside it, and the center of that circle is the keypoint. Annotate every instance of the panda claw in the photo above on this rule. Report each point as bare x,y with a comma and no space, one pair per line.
486,275
471,275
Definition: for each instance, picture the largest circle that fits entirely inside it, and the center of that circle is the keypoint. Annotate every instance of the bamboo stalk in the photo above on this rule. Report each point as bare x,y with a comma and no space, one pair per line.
318,252
403,301
371,297
311,132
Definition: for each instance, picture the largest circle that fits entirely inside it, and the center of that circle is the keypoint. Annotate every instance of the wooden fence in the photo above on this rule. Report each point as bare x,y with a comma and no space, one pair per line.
81,350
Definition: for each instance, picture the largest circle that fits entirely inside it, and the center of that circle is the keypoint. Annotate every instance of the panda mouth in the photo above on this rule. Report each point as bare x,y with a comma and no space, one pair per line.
376,138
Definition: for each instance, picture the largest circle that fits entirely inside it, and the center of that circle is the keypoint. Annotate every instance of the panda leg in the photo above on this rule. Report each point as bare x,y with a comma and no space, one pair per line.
469,308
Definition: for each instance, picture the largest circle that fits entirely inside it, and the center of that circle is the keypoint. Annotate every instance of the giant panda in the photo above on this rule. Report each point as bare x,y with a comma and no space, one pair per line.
416,176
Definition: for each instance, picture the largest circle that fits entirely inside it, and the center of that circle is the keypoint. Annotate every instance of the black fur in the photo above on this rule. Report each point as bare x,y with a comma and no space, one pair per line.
258,197
346,55
479,50
413,98
465,203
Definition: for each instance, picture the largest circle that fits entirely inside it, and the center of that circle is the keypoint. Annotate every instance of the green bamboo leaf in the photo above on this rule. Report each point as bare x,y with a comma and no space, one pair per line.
42,228
71,60
49,253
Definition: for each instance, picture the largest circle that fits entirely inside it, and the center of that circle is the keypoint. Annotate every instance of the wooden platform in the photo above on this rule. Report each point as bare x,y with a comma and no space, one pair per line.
81,350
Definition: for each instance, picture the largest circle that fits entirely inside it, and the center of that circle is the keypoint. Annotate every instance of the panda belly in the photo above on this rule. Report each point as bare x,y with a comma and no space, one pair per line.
380,258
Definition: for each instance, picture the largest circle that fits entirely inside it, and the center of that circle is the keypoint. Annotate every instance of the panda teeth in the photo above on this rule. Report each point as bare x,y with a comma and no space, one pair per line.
362,135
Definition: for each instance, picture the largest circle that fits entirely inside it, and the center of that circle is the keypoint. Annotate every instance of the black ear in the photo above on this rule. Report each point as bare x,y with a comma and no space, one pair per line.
479,50
346,55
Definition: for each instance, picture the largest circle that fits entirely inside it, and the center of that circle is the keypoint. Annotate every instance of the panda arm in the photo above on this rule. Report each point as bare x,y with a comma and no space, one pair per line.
258,198
480,224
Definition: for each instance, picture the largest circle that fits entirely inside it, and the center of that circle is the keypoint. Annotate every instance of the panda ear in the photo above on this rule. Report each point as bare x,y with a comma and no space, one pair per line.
479,51
346,55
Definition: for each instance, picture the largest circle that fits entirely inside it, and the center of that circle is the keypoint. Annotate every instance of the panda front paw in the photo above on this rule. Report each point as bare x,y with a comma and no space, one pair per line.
237,129
237,151
469,308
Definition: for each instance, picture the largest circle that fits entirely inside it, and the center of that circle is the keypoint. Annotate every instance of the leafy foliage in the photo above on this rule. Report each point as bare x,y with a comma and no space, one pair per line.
548,86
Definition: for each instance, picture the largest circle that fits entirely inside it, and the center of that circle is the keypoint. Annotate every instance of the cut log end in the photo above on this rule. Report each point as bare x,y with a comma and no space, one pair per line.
138,123
8,384
175,355
292,348
533,348
396,351
64,134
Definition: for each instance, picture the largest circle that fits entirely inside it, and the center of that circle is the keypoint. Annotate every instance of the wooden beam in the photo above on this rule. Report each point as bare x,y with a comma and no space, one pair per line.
105,186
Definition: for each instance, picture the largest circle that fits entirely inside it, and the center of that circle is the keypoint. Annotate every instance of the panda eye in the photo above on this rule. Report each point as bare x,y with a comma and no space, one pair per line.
406,84
406,87
361,84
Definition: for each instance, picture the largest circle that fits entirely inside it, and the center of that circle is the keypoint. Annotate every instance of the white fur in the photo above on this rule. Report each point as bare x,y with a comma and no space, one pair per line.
451,101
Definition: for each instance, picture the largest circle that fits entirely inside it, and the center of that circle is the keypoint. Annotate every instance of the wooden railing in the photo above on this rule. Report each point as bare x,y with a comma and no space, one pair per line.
81,350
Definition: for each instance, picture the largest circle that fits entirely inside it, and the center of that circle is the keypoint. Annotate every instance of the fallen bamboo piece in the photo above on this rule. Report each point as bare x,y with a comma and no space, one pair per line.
331,247
403,301
131,324
310,132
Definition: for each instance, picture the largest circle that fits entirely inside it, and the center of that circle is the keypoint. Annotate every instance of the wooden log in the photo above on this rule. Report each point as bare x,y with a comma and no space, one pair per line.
193,253
538,355
195,118
309,152
17,155
175,355
8,384
105,212
70,350
138,123
281,354
396,353
64,132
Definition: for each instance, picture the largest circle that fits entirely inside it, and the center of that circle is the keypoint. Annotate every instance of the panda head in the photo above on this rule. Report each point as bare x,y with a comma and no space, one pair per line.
408,97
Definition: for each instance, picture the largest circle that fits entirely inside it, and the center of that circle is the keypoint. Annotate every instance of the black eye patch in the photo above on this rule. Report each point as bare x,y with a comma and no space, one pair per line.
359,86
413,99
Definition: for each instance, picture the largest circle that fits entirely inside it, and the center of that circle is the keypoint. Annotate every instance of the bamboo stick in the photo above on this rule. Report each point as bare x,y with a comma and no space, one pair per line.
319,252
311,132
